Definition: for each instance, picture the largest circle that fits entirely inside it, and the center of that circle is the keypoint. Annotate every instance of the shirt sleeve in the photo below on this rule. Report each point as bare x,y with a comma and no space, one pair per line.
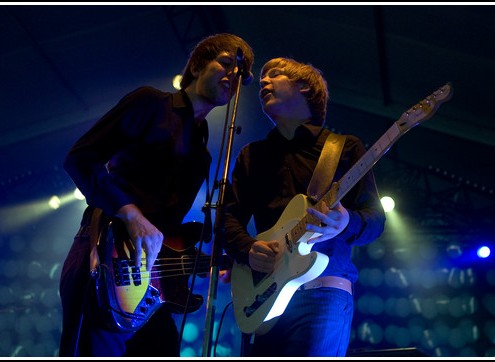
366,214
86,162
237,216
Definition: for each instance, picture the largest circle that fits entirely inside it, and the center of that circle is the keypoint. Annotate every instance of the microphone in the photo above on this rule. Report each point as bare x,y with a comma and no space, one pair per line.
247,76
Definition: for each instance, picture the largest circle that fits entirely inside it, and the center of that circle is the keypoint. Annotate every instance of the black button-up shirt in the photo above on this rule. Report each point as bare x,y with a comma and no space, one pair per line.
147,150
269,173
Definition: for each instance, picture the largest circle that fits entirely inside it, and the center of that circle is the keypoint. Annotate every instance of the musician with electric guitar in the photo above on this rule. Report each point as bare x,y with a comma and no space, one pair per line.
292,284
140,168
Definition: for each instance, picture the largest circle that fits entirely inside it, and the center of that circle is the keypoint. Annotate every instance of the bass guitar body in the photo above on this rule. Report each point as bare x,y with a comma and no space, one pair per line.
128,296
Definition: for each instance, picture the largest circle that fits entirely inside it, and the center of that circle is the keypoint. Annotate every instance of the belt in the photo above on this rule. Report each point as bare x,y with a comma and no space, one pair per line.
328,281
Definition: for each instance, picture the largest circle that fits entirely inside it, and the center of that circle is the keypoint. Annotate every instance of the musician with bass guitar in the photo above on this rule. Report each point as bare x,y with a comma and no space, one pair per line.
140,168
296,301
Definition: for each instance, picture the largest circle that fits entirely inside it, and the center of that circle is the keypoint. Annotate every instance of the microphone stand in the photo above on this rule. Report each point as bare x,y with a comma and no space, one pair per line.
219,232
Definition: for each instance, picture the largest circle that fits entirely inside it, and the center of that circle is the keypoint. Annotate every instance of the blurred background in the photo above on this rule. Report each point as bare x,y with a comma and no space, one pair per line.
424,289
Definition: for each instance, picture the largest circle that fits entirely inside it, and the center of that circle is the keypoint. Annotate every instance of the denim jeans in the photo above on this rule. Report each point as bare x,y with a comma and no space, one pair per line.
316,322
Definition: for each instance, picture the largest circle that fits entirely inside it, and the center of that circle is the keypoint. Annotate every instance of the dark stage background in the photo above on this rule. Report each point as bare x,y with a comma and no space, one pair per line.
422,289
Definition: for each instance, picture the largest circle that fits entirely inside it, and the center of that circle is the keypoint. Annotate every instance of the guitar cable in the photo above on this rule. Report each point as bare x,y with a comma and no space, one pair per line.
220,328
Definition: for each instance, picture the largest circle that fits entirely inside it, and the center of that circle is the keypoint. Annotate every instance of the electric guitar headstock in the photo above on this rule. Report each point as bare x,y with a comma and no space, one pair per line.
425,109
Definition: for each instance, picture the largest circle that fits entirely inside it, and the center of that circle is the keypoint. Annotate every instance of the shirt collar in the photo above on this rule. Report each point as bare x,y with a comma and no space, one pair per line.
181,100
306,133
308,130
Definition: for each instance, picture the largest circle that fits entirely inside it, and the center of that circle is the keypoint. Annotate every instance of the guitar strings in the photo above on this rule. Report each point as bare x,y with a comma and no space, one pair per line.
161,269
300,228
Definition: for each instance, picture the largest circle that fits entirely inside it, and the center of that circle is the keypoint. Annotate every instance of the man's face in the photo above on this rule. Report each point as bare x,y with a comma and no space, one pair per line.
281,97
217,82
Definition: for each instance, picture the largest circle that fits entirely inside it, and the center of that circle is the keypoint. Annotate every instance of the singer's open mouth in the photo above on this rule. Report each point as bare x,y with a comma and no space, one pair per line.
264,92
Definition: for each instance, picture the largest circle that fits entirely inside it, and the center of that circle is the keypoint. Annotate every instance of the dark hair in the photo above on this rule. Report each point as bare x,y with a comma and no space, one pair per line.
209,48
305,73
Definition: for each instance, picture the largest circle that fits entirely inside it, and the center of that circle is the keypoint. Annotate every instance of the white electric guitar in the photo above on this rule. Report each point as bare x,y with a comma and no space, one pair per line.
259,298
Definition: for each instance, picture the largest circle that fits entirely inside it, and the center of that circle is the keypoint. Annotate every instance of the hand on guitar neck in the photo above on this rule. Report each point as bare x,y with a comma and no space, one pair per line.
329,222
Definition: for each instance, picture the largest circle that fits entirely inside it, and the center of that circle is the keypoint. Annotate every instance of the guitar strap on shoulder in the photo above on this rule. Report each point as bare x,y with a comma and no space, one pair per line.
327,164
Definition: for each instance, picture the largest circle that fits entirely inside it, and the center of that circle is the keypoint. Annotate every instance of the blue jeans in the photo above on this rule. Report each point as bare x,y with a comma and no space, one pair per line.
316,322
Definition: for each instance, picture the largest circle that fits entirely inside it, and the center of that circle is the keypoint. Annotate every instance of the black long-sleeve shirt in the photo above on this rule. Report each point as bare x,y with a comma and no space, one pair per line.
268,174
147,150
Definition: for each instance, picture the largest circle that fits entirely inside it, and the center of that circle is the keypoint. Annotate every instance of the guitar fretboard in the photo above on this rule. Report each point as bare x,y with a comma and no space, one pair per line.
409,119
367,161
350,178
340,188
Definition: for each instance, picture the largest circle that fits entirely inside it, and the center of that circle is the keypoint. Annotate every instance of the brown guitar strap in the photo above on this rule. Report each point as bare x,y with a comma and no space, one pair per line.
327,164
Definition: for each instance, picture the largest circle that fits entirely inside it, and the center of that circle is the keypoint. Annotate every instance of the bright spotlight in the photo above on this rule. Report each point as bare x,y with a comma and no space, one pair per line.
176,81
54,202
78,194
483,252
388,203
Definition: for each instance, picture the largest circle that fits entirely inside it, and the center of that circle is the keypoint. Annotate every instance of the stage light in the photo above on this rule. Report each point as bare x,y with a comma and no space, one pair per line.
191,333
78,194
176,81
188,352
483,252
54,202
388,203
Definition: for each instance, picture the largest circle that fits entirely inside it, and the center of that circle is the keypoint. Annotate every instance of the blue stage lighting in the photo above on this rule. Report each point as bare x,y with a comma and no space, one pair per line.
483,252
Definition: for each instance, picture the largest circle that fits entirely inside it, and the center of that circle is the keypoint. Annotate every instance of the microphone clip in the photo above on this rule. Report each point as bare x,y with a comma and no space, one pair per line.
247,76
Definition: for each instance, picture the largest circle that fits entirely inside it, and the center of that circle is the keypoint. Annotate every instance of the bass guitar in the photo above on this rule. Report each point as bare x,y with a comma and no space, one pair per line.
259,298
128,296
